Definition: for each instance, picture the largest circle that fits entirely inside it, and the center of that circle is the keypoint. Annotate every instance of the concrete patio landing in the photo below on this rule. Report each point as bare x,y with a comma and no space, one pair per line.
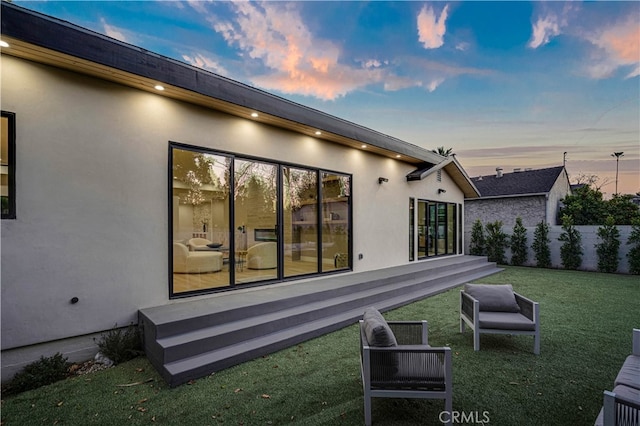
193,338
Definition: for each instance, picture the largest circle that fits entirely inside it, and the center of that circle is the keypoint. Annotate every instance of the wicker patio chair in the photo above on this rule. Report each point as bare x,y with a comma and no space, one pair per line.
621,406
403,366
497,309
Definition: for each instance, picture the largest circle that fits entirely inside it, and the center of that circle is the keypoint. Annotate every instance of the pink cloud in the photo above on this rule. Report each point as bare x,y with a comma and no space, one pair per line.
619,46
276,35
431,29
272,35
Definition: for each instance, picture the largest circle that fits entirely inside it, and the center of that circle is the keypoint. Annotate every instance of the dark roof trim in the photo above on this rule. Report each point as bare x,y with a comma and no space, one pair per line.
498,197
60,36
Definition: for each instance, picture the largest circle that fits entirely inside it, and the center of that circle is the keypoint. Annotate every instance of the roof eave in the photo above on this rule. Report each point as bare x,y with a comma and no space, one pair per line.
39,35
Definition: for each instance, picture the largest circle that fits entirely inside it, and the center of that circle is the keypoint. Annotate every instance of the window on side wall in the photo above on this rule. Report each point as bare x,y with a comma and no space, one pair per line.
8,165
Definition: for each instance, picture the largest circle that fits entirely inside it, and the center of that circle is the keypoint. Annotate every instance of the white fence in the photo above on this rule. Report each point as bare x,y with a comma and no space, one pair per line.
590,238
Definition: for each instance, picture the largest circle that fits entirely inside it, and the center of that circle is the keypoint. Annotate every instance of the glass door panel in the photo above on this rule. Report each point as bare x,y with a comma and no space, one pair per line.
300,221
200,221
335,216
422,229
442,225
256,233
451,228
432,229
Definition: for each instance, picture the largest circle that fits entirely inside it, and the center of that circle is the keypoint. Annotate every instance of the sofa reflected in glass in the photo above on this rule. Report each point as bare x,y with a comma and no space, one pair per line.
195,262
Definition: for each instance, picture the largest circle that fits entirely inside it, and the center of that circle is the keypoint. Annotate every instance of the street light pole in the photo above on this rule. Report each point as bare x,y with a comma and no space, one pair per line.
617,155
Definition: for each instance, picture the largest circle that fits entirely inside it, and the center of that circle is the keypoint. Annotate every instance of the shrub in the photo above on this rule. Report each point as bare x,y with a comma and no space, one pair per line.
541,245
121,344
609,246
634,253
571,249
43,372
478,244
496,241
518,243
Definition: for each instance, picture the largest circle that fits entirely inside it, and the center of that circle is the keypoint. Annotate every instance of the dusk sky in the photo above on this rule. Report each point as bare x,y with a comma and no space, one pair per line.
509,84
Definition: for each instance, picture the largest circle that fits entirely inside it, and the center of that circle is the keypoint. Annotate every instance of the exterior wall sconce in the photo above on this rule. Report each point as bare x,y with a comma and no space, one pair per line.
382,179
441,191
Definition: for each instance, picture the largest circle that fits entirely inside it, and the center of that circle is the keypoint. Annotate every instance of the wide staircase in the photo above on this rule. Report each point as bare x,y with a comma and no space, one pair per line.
191,339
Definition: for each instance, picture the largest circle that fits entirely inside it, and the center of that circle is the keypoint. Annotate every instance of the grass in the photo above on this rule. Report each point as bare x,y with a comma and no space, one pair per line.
586,323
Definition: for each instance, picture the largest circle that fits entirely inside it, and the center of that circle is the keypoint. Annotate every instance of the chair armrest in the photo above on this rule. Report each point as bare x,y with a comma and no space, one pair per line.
410,332
527,306
467,303
636,342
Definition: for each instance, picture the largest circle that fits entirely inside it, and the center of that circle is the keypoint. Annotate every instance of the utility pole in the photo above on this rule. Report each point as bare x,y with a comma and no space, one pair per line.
617,155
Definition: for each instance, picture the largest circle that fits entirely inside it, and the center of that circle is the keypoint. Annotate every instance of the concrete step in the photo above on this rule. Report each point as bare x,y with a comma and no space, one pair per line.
235,328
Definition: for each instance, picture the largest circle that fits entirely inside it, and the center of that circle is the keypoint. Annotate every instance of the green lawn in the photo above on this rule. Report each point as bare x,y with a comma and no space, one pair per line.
586,326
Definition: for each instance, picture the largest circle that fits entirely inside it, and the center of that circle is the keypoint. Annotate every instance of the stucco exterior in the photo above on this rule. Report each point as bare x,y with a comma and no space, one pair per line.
93,202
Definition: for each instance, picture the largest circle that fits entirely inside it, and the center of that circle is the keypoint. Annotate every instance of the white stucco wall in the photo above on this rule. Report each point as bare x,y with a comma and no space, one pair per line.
92,198
561,188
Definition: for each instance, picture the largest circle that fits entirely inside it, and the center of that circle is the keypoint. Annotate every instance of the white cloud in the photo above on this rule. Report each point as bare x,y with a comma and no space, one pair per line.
543,30
431,29
206,63
433,84
112,31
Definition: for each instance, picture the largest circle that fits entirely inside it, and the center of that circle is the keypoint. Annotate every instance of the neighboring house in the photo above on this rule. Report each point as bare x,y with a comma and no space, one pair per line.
533,195
121,196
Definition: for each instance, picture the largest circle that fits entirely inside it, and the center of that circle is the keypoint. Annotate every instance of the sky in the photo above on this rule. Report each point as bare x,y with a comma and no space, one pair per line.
504,84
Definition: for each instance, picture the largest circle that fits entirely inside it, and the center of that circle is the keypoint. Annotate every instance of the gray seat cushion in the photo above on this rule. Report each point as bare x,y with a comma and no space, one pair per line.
505,321
493,298
629,374
625,392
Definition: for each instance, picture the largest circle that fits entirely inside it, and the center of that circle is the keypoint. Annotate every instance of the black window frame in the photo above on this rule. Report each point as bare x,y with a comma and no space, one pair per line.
11,153
279,226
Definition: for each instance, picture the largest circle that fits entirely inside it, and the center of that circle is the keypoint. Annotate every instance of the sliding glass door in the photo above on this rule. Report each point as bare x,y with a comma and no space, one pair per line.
300,221
256,221
200,220
238,221
438,229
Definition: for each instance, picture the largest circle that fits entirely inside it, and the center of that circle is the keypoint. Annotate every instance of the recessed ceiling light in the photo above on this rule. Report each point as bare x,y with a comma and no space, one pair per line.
159,87
4,43
254,114
363,146
398,155
318,132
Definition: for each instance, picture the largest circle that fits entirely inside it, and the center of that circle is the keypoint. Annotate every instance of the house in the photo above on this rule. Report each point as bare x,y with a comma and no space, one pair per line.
533,195
135,181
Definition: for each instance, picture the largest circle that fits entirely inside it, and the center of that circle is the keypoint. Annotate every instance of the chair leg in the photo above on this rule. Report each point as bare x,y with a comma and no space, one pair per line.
461,325
536,344
448,408
367,410
476,340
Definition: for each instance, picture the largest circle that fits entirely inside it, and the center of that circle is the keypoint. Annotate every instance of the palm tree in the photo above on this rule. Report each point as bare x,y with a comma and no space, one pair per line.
444,152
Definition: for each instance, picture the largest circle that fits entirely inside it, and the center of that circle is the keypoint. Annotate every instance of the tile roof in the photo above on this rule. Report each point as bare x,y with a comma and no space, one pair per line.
518,183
